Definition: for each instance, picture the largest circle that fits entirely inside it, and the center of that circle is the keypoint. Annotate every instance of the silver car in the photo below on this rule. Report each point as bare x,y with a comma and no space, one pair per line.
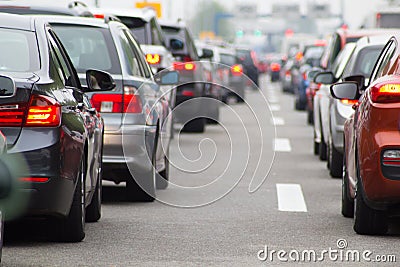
136,113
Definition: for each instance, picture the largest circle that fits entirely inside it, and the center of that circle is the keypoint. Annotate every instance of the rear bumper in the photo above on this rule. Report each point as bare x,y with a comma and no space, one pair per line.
130,146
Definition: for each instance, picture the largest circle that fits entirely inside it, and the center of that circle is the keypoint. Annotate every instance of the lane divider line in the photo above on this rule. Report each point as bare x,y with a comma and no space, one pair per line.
277,121
290,198
282,145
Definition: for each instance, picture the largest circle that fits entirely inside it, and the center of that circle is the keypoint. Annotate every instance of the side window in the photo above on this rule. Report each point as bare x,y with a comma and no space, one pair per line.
336,47
383,63
61,62
131,60
139,55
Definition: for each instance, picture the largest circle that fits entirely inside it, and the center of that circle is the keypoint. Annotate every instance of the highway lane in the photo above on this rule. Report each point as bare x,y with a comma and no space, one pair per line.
297,208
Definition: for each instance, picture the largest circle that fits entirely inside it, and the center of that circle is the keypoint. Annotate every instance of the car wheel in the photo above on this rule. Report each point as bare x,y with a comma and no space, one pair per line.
72,228
214,117
347,202
297,104
310,117
163,176
195,126
93,211
335,162
316,146
368,221
322,148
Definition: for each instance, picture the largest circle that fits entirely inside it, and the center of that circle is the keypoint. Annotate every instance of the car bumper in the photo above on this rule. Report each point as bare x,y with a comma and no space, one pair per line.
130,146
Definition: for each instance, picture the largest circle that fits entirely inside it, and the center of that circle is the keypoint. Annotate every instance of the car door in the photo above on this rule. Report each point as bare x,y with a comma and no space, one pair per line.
76,102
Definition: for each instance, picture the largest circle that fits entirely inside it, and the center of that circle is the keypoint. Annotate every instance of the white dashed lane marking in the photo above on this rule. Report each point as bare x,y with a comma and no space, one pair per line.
277,121
290,198
282,145
275,107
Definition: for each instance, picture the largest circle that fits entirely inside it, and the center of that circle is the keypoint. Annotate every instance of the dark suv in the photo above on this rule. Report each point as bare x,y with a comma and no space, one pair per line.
193,78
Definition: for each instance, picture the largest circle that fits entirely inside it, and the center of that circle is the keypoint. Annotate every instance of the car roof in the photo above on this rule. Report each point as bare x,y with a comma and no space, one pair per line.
75,20
74,9
374,40
172,24
145,14
13,21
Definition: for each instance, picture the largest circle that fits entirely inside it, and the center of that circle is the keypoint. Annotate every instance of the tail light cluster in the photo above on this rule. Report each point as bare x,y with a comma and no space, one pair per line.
189,66
129,102
153,59
237,70
349,102
391,158
41,111
385,93
275,67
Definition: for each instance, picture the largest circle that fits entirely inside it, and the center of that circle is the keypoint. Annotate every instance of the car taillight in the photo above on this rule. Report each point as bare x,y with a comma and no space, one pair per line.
275,67
99,16
187,93
34,179
349,102
153,59
190,66
287,73
129,102
237,70
304,76
12,115
43,111
385,93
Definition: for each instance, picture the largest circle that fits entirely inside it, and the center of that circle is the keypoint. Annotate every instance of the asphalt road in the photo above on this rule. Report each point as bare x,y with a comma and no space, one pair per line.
209,217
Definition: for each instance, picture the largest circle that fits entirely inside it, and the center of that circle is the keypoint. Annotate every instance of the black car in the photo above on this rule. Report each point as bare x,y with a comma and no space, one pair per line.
48,120
193,79
248,60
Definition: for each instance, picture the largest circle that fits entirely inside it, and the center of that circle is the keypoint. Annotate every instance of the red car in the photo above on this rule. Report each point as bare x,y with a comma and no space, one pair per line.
371,173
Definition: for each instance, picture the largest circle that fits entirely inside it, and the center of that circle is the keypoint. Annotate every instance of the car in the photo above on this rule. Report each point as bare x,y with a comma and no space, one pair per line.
136,113
50,122
248,60
370,183
75,8
361,62
311,90
193,86
330,62
229,73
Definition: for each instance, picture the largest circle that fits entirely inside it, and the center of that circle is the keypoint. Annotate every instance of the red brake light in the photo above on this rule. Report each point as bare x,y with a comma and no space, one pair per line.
129,102
43,111
190,66
275,67
237,70
34,179
99,16
12,115
385,93
153,58
187,93
287,73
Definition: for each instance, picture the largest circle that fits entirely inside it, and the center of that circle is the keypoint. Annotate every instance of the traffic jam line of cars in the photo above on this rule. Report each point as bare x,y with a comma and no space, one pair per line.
80,103
352,101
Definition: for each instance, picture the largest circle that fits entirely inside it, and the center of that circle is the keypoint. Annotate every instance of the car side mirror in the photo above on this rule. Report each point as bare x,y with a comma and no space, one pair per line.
7,87
98,80
167,77
207,53
325,77
359,79
345,90
176,44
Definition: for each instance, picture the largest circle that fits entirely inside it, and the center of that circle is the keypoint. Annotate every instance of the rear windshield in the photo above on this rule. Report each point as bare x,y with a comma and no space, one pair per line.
228,59
89,48
388,20
19,51
169,29
137,27
352,39
314,52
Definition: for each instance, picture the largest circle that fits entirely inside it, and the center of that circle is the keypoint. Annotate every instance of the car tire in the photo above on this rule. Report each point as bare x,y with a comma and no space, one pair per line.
347,208
310,117
335,162
163,176
322,148
195,126
72,228
368,221
93,211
